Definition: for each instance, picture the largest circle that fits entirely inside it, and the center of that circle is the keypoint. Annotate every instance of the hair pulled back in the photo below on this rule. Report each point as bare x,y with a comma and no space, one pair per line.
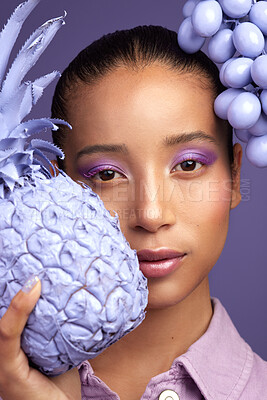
134,48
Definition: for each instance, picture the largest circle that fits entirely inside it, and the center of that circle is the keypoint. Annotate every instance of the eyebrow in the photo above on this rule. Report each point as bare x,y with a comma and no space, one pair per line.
167,141
188,137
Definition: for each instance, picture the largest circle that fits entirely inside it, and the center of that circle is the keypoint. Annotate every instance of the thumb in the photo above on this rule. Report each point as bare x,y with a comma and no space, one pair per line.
15,318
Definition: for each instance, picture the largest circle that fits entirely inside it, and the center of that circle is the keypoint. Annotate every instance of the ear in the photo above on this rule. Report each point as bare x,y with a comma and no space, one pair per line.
236,170
54,162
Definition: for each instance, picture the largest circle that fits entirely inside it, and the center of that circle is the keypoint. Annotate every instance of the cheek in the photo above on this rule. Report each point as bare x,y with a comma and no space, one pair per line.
203,209
210,219
215,204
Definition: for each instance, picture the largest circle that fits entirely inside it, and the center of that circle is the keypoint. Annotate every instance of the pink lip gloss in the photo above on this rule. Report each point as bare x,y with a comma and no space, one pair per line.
160,268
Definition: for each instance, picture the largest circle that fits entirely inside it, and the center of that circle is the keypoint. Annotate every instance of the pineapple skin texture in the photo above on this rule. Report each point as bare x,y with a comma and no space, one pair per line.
93,292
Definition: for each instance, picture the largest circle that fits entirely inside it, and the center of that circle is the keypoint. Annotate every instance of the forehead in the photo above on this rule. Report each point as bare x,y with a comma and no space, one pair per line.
154,98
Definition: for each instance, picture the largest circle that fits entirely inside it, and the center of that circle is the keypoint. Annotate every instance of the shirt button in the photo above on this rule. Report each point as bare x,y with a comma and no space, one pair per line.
169,395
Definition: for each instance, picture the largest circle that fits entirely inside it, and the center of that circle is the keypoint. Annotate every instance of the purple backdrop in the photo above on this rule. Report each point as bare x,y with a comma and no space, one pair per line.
239,277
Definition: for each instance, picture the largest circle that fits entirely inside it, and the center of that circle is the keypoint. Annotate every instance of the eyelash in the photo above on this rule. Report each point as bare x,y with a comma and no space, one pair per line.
91,174
189,159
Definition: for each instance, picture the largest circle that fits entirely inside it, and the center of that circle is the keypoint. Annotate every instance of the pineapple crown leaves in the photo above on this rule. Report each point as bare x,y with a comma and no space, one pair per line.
11,31
18,162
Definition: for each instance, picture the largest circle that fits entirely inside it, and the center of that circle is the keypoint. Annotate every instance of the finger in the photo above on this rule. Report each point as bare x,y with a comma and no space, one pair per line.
15,318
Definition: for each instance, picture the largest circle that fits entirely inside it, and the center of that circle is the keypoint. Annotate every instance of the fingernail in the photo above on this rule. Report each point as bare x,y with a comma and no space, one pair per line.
29,285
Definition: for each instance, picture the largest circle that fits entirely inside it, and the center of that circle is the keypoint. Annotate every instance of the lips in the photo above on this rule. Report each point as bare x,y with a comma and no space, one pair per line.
159,263
156,255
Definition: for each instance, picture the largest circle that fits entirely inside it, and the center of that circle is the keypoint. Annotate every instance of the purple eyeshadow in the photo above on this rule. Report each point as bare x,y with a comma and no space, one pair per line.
203,156
93,168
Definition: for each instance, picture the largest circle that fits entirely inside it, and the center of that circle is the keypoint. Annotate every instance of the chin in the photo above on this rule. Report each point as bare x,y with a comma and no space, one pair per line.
165,293
163,297
160,305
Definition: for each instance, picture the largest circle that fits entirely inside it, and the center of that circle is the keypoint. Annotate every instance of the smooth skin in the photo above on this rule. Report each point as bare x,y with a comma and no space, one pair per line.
159,205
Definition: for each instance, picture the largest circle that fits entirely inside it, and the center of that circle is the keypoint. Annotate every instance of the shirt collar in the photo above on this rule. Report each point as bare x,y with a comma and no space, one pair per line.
220,361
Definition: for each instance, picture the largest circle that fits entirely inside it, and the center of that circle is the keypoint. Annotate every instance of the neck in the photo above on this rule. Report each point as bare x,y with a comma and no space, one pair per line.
164,335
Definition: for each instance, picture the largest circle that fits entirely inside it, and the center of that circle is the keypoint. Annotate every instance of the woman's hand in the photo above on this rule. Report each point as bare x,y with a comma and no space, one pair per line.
17,380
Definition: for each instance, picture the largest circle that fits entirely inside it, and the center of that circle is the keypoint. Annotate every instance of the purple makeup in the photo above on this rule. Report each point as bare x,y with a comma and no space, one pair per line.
201,155
93,168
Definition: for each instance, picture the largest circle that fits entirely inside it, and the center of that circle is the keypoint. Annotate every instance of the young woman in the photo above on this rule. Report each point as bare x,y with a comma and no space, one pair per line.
146,139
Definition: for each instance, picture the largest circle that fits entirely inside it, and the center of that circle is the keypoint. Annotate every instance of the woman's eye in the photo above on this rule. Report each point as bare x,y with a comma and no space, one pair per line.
104,175
188,166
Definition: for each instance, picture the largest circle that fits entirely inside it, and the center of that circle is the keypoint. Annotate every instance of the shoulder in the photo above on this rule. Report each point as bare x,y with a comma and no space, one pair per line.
247,368
256,386
222,362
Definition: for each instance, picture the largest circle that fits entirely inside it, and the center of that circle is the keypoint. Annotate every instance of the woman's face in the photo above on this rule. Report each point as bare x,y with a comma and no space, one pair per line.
162,166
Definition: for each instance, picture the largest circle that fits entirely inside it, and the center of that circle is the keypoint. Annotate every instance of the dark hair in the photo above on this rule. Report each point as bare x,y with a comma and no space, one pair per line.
134,48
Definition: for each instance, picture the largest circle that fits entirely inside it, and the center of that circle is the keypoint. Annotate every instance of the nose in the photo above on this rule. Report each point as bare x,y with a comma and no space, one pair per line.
153,206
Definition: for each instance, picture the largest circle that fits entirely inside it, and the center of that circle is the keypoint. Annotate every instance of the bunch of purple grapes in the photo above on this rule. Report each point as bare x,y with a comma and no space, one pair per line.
237,38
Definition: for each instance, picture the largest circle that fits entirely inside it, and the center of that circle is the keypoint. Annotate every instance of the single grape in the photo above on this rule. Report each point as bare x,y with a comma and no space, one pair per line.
263,98
237,73
188,7
258,15
223,101
260,128
221,46
248,39
242,134
207,18
256,151
188,39
244,111
259,71
235,8
223,67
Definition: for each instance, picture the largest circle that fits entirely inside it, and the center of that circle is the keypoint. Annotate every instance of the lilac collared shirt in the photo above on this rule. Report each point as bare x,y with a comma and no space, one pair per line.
220,365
